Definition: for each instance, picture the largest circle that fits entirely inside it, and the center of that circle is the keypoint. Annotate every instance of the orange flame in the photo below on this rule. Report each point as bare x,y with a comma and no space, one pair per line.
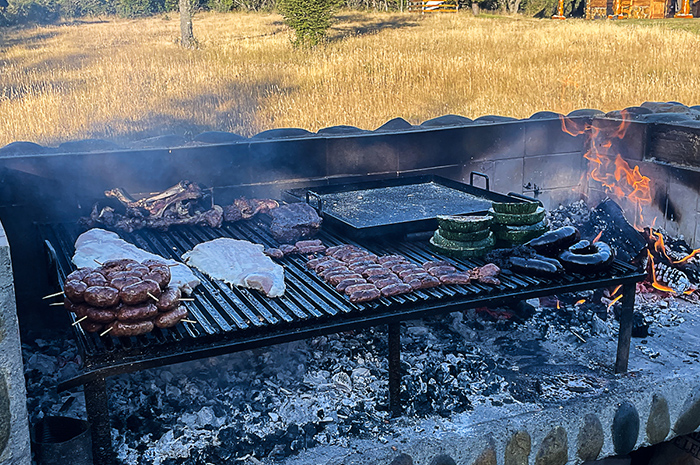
579,302
597,238
558,306
608,167
612,302
654,282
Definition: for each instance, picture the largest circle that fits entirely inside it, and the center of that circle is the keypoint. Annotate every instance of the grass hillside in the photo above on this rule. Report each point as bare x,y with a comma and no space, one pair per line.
127,79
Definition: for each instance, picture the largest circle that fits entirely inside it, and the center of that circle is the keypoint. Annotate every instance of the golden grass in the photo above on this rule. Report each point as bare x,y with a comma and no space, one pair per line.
127,79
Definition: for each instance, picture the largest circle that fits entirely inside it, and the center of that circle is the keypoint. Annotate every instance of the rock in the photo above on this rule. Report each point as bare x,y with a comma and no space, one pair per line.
445,121
585,112
636,112
283,133
218,137
554,448
590,438
339,130
442,459
342,381
24,148
665,107
402,459
625,428
488,455
598,327
88,145
396,124
518,449
666,118
689,420
659,422
494,119
545,115
5,415
160,142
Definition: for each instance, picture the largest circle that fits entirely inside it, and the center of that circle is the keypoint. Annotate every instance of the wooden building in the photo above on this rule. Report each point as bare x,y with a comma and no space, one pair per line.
639,9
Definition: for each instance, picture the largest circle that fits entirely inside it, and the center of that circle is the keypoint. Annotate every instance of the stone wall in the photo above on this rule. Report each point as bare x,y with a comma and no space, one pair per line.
14,429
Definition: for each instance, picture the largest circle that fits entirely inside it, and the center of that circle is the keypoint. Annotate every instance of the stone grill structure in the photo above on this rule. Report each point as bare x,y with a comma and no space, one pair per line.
535,156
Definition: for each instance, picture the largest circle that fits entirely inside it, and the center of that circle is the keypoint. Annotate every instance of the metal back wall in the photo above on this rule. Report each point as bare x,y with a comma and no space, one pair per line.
63,187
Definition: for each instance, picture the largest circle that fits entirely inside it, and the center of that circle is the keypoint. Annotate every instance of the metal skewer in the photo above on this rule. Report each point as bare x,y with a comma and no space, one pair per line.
52,295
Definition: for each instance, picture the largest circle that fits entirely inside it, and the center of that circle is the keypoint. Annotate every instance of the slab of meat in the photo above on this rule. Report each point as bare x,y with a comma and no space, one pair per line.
101,246
293,222
239,263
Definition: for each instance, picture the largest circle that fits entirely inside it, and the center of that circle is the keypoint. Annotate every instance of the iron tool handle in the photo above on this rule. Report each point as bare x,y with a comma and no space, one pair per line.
485,176
319,201
525,197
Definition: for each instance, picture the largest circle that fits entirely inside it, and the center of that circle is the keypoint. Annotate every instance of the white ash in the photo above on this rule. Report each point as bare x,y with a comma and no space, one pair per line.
273,402
574,214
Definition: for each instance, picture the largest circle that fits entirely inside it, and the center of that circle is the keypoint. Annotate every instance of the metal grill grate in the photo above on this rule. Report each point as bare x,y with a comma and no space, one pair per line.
229,319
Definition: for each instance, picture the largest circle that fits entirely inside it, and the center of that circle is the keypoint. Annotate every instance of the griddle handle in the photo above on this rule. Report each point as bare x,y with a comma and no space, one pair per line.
485,176
525,197
319,201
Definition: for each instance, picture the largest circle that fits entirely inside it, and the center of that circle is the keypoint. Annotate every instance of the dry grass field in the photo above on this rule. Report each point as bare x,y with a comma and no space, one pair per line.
128,79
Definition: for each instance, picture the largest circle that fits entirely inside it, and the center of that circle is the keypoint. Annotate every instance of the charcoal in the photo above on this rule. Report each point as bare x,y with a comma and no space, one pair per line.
608,217
293,222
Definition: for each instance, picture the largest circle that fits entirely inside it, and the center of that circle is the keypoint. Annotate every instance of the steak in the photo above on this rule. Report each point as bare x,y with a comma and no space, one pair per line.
293,222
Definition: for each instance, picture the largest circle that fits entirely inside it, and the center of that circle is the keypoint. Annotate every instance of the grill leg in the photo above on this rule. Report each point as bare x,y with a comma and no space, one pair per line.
625,335
97,406
395,369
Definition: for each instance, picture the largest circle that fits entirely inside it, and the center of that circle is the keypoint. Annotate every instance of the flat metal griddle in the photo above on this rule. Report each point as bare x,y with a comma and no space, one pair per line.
397,206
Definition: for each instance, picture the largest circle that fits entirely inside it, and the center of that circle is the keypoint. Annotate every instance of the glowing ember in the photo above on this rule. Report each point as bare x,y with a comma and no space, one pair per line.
655,283
597,238
579,302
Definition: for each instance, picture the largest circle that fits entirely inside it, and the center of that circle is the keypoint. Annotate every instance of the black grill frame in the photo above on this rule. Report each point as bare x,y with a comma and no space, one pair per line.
231,320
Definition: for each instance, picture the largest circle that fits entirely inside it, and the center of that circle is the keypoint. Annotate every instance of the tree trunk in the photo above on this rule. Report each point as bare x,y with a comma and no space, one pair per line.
186,36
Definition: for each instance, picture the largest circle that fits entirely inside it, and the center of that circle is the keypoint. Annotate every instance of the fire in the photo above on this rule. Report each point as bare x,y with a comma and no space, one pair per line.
654,282
612,302
579,302
607,167
597,238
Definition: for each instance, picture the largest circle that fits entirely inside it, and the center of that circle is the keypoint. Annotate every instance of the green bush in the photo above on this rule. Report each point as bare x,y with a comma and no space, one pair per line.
310,19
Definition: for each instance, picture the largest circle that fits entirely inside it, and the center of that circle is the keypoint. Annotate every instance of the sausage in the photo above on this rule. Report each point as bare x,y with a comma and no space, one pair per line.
455,278
441,270
389,258
288,249
75,290
309,249
349,255
340,277
159,274
122,274
364,295
313,263
95,279
121,283
151,263
101,315
91,326
169,299
171,318
413,272
123,329
375,271
404,266
79,274
422,282
538,265
359,287
333,270
554,242
433,263
274,253
344,284
101,296
137,293
117,265
136,313
327,264
361,264
308,243
138,269
395,289
373,278
382,283
584,258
